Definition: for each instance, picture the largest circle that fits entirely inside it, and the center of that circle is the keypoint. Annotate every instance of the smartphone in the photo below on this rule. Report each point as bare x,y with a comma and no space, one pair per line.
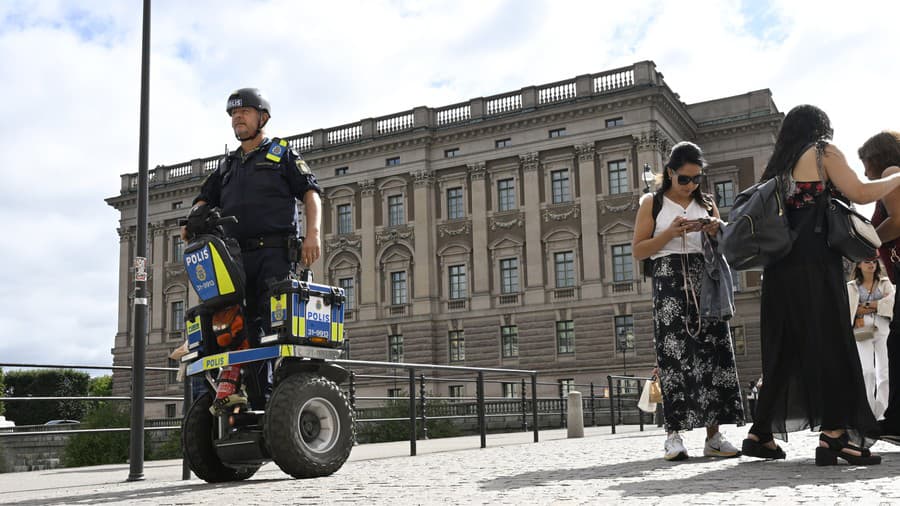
699,221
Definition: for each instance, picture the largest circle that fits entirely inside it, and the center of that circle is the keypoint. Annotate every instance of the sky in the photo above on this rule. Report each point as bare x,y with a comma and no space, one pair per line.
70,98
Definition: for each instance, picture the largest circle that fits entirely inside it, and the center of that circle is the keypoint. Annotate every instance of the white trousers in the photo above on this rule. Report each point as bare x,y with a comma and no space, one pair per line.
874,358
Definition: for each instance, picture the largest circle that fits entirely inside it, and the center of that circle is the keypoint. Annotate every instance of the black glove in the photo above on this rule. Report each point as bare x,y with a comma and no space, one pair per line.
198,220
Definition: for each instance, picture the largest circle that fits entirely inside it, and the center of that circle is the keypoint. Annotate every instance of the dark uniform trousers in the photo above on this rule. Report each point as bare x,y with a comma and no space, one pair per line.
260,189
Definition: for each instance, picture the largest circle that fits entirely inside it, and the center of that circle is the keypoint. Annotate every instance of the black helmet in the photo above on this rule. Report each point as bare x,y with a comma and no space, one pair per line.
248,97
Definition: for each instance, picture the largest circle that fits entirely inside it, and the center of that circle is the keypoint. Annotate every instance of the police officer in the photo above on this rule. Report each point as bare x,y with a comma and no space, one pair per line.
259,184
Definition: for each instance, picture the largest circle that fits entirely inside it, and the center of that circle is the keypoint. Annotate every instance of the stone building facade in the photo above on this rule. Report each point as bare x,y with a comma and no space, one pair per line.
494,232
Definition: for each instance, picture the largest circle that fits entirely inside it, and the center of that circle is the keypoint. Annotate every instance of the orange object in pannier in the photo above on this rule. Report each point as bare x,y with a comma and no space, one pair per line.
227,324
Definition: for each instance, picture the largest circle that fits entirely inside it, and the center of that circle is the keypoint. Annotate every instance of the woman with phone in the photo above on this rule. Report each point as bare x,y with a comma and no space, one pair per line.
871,296
695,358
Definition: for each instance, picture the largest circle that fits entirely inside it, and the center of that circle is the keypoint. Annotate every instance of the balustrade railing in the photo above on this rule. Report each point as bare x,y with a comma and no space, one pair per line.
556,92
529,98
453,114
343,135
301,143
614,80
503,104
394,124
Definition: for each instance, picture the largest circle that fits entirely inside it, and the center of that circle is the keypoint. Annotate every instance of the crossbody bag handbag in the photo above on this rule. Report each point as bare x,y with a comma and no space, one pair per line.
849,233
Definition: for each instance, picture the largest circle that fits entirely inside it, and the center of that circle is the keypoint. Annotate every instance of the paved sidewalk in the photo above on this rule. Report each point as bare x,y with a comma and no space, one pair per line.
600,468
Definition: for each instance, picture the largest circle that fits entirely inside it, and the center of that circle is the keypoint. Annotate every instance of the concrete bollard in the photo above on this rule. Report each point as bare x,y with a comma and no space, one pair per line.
575,415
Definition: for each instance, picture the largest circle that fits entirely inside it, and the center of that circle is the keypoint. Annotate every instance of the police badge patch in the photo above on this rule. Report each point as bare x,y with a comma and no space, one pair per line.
302,167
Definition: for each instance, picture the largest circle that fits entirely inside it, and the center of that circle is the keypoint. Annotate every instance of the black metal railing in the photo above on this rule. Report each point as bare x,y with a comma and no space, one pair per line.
532,410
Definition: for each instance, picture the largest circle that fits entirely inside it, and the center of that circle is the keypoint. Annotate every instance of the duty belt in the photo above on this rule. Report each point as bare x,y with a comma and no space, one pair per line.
266,241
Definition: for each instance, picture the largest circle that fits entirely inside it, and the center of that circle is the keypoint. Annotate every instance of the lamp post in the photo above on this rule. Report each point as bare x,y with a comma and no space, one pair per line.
648,177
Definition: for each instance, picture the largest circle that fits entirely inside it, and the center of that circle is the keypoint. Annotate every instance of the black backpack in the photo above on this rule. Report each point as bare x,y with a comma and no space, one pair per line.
758,232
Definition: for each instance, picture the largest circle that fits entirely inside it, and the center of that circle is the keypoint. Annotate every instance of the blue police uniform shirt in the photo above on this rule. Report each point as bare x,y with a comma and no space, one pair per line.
259,192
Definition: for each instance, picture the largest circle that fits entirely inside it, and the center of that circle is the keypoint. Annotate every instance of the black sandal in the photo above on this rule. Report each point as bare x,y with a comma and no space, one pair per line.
751,448
836,446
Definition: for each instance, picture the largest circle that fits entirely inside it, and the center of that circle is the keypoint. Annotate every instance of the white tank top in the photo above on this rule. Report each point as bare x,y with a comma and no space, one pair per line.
670,210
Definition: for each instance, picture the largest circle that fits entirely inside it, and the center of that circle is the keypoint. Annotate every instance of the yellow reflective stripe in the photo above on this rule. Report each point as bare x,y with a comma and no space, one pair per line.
222,277
193,325
299,327
286,350
337,332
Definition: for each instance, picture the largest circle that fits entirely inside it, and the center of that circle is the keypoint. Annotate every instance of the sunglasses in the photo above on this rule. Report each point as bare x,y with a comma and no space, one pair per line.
683,180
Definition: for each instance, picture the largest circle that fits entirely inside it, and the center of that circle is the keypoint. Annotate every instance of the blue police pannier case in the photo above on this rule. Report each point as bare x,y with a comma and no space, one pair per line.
307,313
215,270
758,232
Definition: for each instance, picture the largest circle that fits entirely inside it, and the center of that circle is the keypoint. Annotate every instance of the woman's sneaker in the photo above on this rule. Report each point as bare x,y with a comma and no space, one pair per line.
718,446
675,448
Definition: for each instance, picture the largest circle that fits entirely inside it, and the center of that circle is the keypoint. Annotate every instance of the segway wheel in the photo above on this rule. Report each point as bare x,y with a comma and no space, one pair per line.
197,436
309,426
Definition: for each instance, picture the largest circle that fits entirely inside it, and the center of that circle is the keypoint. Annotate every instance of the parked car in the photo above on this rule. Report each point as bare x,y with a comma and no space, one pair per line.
61,422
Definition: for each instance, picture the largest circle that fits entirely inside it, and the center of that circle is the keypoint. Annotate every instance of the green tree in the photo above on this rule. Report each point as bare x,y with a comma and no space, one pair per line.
92,449
398,430
45,383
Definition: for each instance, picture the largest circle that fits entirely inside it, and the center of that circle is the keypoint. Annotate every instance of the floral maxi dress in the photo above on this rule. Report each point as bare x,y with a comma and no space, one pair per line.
697,373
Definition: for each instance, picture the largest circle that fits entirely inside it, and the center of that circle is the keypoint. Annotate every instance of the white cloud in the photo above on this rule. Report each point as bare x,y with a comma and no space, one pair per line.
71,100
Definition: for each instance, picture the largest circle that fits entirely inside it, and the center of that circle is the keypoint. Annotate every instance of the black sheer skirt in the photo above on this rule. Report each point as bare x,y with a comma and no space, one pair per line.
812,377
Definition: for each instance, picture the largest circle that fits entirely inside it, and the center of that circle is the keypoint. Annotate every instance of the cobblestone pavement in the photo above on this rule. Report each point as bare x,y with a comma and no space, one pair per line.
600,468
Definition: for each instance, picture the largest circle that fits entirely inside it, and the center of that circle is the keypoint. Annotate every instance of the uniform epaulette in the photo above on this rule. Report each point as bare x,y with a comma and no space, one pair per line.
276,149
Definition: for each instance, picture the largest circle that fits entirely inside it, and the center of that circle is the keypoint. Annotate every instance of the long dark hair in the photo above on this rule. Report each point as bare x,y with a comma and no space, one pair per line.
858,275
881,150
803,125
682,153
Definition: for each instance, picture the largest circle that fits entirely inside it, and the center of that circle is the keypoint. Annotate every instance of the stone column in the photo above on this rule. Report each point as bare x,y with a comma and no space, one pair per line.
424,278
534,261
480,273
158,303
368,277
125,240
592,286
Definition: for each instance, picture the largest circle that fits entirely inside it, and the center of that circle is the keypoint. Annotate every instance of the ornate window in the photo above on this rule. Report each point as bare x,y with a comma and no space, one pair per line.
557,132
344,219
457,339
177,248
740,341
506,194
398,288
395,348
176,324
509,341
455,208
565,337
725,193
458,284
509,275
564,268
623,265
618,177
624,325
349,293
560,187
396,214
